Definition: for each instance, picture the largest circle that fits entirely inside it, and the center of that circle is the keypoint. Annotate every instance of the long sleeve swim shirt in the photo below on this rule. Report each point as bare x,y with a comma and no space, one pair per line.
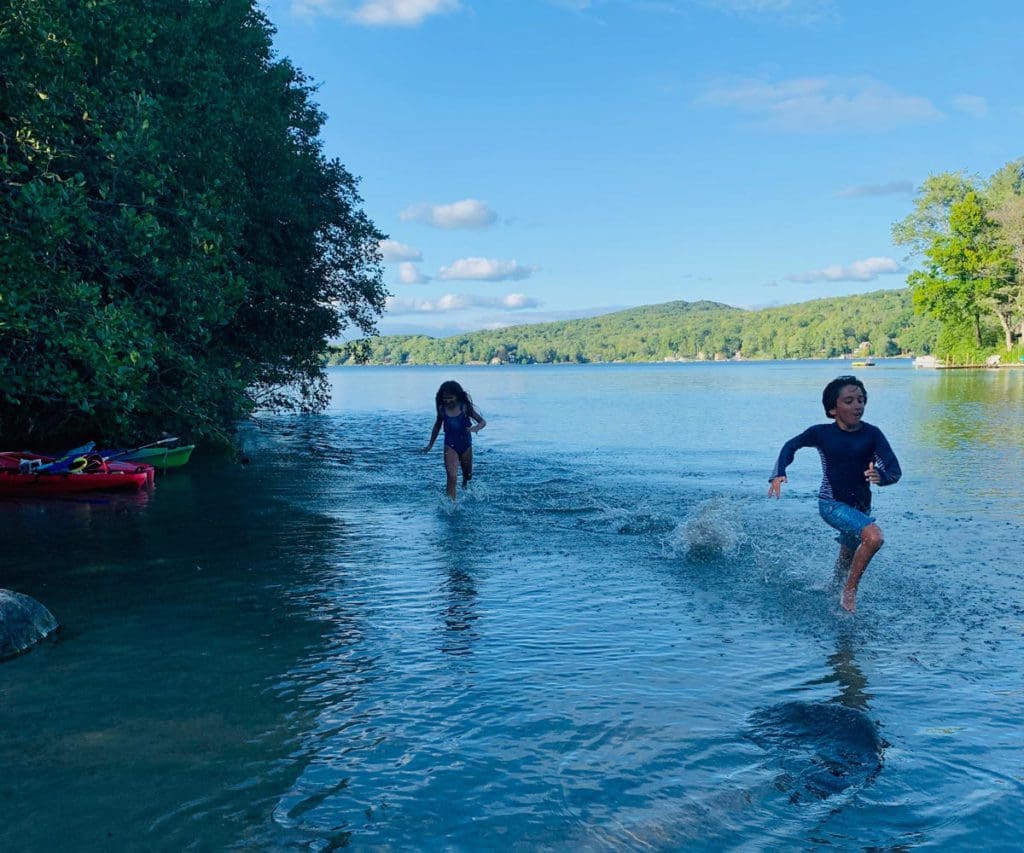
844,459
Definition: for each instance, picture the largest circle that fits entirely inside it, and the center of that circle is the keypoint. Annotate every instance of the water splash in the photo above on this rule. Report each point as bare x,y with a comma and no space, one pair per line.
711,531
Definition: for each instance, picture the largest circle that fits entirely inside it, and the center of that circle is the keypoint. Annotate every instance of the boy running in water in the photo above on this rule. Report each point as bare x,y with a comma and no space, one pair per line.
854,454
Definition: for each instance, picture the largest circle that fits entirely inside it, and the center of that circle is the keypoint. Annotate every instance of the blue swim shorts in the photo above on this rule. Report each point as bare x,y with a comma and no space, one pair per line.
848,520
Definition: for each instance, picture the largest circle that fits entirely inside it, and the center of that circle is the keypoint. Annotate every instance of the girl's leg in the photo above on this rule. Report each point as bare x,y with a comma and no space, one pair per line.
871,539
451,470
466,460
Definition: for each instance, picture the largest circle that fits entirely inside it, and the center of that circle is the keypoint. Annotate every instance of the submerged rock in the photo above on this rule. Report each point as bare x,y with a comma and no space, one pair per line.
821,748
23,623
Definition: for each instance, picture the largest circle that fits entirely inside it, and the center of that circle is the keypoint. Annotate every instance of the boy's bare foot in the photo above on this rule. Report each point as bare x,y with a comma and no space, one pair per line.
848,601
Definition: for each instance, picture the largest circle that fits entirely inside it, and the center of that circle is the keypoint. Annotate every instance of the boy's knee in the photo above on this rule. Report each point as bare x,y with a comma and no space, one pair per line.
872,536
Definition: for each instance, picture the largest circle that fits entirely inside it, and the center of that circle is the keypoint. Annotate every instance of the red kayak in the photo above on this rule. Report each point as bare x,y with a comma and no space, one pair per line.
24,474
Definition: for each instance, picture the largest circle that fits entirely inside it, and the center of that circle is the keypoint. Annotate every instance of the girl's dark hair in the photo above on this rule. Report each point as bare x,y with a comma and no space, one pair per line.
830,396
456,390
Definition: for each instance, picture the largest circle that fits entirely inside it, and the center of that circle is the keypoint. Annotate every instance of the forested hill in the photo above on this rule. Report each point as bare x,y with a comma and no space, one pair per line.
683,330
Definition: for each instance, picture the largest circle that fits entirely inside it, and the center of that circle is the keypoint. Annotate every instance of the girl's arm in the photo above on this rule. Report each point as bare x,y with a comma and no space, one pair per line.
434,432
480,422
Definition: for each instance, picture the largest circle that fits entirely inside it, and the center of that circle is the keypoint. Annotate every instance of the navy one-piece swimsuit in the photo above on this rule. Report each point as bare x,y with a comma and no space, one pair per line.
456,429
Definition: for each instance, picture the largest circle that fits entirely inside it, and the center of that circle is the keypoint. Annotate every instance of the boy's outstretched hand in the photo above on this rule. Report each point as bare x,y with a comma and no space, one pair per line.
775,487
871,475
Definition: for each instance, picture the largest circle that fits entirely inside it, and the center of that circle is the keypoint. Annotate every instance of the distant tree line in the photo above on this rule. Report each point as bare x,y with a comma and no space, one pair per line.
883,323
969,235
175,248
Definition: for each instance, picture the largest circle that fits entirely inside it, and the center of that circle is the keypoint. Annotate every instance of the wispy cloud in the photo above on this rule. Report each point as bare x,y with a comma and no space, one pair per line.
409,273
868,190
574,5
460,302
753,5
453,323
822,104
787,11
865,270
797,11
393,251
973,105
468,213
485,269
376,13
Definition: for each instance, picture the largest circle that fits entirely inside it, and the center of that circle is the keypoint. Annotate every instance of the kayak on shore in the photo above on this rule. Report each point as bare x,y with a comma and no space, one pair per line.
27,474
158,457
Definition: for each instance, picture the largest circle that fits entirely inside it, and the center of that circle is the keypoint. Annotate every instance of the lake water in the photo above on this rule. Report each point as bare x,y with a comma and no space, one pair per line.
614,640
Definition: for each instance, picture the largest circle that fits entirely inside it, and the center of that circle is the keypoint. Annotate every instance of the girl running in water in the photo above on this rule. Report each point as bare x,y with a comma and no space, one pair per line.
456,413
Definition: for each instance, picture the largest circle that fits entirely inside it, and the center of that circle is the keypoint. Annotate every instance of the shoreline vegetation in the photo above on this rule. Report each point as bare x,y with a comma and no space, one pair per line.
882,324
178,247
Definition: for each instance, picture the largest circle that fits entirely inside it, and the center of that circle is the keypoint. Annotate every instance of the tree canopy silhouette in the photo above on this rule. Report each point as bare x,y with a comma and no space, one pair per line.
175,247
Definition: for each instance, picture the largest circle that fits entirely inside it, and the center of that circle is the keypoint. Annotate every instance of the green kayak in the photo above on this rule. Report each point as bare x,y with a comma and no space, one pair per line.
160,457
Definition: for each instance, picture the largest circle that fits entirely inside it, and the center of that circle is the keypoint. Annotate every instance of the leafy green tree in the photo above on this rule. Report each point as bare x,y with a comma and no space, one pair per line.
175,249
930,217
971,238
968,271
1008,213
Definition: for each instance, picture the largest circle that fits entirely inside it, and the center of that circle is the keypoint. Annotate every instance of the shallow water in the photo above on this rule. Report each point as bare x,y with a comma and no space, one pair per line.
612,640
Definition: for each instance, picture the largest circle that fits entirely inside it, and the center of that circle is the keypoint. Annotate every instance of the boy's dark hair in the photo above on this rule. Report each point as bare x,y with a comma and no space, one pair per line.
830,396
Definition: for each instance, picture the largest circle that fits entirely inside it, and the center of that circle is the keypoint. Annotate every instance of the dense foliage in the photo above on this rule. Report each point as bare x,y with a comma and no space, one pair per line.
881,323
175,249
970,236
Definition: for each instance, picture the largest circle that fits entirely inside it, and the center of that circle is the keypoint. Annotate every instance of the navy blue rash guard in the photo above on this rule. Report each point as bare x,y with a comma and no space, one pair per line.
844,459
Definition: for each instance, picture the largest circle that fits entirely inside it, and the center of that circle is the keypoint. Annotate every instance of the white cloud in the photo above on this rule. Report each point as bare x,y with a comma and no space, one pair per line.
410,274
866,190
485,269
459,302
822,104
518,301
468,213
973,105
376,13
865,270
401,13
393,251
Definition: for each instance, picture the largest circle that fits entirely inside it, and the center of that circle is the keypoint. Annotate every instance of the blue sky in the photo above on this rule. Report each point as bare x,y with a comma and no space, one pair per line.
534,160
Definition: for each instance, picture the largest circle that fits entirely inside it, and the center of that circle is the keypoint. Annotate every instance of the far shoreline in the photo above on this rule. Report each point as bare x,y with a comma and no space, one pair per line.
675,361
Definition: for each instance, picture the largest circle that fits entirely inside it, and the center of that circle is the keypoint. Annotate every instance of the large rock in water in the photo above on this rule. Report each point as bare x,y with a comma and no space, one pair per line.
23,623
